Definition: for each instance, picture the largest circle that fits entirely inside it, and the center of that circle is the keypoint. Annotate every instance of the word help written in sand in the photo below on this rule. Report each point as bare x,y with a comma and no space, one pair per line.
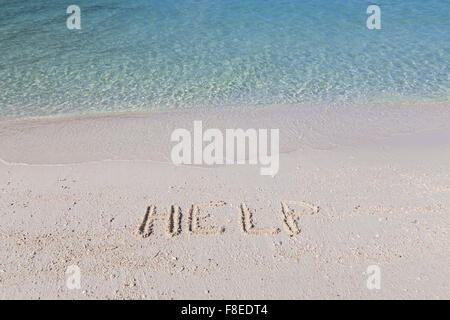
174,220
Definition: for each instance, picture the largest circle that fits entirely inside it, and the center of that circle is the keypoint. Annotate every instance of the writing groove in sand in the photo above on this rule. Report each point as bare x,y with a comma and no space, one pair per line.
174,217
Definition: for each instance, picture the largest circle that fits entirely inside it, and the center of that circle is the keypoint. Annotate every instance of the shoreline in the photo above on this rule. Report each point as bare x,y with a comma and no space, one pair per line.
80,116
117,136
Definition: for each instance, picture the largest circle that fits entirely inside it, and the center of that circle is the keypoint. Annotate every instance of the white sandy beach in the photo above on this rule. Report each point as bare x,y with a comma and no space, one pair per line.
73,191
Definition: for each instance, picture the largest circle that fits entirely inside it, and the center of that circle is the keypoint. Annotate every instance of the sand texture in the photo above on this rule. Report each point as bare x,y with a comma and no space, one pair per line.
353,190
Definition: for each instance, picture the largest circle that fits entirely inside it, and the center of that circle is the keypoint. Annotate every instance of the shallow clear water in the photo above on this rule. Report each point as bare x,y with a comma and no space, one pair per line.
139,55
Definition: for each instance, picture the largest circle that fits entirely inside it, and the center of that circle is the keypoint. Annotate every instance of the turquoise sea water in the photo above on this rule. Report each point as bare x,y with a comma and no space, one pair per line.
140,55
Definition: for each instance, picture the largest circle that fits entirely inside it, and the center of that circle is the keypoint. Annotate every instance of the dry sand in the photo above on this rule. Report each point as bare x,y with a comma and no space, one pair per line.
356,187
